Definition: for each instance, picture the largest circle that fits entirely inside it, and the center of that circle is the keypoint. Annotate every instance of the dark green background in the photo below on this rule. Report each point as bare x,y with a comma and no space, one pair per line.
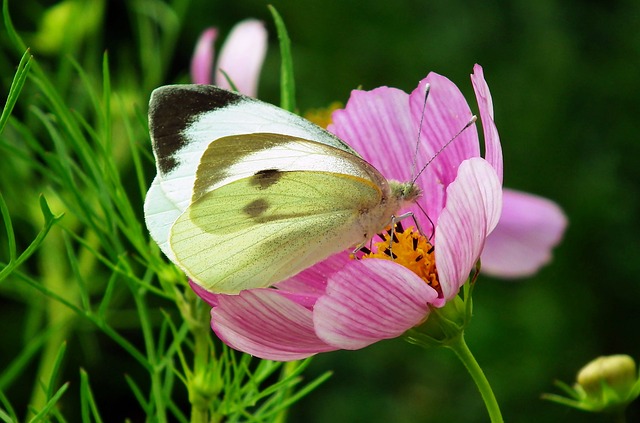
565,79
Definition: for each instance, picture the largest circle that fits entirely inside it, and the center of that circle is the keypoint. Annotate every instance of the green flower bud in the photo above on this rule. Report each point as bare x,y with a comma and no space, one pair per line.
608,379
606,384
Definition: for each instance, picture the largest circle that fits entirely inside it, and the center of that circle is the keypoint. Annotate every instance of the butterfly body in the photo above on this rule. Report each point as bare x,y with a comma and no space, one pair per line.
248,194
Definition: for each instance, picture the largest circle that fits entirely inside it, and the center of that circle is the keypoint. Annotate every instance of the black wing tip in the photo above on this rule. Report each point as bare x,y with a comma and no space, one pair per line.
173,108
192,99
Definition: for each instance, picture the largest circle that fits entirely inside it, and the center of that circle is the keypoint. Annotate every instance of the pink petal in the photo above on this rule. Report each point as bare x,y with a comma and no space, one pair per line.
202,60
209,297
313,280
307,286
474,203
493,149
263,323
378,125
446,113
242,55
530,226
370,300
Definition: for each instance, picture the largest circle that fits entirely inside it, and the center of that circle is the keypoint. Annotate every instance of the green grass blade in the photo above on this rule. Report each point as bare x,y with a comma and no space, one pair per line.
11,236
287,82
11,31
88,406
56,370
44,412
49,220
16,87
9,414
13,370
137,392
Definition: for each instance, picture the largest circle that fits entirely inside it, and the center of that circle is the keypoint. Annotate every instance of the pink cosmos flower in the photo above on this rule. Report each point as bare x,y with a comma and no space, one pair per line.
241,57
348,304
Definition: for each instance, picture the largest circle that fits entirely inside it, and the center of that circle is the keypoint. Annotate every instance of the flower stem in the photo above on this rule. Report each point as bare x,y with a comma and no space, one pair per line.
199,408
459,346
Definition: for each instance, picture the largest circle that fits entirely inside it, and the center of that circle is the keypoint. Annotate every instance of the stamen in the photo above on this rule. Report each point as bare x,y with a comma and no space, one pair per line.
388,253
409,249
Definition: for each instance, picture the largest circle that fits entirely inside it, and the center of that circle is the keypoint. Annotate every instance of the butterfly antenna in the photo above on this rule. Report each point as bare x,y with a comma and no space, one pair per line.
471,122
414,165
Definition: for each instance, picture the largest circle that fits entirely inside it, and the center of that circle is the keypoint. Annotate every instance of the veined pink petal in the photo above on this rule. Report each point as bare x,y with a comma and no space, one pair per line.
314,279
370,300
446,113
241,57
378,125
474,203
263,323
530,226
202,59
493,149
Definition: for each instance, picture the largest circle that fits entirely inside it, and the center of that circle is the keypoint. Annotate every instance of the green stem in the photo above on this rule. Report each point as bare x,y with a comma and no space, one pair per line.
199,409
459,346
287,369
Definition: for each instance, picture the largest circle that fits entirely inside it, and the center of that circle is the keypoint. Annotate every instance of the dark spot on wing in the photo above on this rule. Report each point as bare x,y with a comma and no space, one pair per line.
256,208
265,178
173,108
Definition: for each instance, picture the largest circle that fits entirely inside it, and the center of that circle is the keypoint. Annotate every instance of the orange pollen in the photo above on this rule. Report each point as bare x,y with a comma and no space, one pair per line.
410,249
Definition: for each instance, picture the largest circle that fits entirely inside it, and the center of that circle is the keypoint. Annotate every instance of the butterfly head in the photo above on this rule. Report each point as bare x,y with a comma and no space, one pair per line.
405,192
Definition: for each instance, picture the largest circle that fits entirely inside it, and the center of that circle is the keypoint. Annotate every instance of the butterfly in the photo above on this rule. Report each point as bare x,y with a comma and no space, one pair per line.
248,194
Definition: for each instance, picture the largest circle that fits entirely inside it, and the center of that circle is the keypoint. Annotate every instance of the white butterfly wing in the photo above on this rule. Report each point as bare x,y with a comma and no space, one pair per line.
183,121
259,230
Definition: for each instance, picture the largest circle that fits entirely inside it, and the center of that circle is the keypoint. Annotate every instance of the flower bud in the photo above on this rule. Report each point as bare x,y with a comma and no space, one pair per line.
607,375
606,384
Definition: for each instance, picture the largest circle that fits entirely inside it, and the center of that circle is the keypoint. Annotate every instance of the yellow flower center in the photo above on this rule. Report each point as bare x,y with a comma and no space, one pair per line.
410,249
322,117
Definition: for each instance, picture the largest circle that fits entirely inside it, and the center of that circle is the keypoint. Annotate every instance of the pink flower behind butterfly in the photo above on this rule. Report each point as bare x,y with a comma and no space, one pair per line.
241,57
348,304
529,227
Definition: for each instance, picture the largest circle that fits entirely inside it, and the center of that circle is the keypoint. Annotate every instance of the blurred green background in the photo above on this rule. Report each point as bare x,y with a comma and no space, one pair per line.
565,80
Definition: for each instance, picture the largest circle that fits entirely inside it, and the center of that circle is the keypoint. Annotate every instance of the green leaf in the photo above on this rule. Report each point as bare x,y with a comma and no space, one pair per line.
287,82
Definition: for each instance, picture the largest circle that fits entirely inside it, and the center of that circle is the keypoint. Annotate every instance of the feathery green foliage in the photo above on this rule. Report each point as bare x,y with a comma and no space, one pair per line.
93,291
